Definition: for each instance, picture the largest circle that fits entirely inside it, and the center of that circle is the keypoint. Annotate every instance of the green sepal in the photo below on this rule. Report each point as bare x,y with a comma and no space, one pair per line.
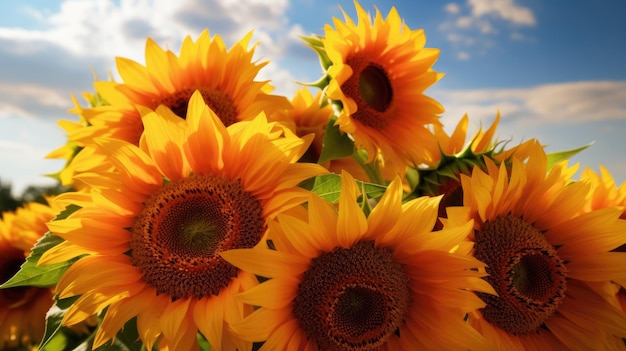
366,205
556,157
335,143
97,100
320,83
315,43
449,167
328,187
75,150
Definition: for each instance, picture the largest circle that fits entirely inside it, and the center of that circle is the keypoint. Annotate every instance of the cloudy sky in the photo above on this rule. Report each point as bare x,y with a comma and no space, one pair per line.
555,70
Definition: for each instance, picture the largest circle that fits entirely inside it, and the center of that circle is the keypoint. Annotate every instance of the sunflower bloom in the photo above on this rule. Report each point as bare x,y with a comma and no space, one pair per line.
542,255
225,78
22,309
80,156
341,281
379,71
310,115
606,193
458,156
151,231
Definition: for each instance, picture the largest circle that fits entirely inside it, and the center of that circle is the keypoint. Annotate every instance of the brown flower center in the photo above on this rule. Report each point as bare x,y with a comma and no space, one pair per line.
184,225
353,299
525,271
219,102
370,87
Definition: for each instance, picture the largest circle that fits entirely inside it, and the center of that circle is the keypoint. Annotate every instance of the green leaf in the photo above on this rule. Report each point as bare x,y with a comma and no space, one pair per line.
335,143
556,157
203,343
50,339
66,212
40,276
56,336
328,187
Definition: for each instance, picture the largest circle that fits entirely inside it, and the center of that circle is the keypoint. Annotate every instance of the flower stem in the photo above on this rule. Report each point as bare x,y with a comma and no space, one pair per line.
371,168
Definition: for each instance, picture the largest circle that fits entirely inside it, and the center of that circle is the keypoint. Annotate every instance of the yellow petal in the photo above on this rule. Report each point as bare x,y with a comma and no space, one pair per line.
266,263
164,135
351,222
274,293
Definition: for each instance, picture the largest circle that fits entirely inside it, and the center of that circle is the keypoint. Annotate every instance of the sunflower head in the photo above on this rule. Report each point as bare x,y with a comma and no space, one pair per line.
75,144
157,223
543,254
346,281
309,115
379,70
457,156
225,77
22,309
604,190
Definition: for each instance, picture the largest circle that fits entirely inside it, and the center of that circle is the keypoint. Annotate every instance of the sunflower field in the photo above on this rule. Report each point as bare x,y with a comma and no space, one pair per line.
206,213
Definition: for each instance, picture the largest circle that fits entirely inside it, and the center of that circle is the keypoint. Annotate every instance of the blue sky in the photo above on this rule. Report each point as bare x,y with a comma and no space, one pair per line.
556,70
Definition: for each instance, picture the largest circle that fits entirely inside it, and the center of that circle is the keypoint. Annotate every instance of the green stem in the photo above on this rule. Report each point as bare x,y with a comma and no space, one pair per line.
371,168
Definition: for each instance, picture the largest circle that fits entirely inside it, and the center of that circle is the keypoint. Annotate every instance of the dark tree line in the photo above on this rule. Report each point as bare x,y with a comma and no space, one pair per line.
10,202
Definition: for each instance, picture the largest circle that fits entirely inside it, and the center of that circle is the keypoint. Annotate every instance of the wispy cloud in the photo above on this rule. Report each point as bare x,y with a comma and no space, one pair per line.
23,147
543,105
504,9
54,57
45,66
475,25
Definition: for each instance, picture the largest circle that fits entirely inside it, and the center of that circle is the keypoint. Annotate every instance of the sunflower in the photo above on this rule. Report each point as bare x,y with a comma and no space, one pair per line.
225,78
80,157
606,193
458,156
22,309
311,115
151,231
456,143
604,190
344,281
308,115
542,254
379,71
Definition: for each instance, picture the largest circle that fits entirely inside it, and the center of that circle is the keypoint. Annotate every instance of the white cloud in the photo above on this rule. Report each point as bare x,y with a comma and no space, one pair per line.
475,26
504,9
24,143
452,8
47,62
464,22
462,55
104,28
574,102
33,101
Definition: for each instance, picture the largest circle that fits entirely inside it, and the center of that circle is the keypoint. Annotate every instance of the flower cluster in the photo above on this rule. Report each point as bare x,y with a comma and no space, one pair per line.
209,213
